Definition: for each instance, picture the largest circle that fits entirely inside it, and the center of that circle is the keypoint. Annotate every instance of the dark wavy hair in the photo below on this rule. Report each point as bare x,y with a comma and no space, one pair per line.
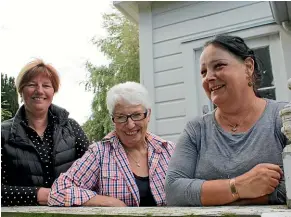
238,48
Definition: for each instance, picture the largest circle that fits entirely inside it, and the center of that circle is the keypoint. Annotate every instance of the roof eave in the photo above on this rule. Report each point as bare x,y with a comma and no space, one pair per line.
129,9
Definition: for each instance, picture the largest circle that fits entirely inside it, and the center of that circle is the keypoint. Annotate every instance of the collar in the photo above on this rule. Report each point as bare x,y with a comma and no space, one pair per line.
154,141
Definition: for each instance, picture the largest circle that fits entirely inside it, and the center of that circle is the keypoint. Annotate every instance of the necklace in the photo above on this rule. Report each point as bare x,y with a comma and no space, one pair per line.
41,136
136,162
233,127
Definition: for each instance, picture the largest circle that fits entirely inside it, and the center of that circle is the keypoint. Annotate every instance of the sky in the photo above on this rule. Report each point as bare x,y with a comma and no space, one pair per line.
60,33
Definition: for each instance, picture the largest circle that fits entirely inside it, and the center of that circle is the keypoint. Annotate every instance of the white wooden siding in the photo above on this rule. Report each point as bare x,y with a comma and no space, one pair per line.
170,93
159,7
171,126
167,63
168,77
195,11
174,137
170,109
240,16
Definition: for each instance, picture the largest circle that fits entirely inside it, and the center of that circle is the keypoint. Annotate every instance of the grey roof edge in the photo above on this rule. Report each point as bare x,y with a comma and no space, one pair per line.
129,9
280,11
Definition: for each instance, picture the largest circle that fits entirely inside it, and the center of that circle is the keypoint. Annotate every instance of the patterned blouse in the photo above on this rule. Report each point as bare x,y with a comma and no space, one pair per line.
104,170
23,195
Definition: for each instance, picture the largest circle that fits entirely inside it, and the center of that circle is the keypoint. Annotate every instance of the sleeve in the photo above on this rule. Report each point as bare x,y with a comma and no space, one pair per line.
15,195
75,187
82,141
182,188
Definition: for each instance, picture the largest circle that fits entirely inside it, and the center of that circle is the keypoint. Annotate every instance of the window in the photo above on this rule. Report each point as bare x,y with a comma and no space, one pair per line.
267,87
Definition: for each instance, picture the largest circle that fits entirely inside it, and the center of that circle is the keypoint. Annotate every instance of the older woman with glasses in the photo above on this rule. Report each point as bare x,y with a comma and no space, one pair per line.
127,167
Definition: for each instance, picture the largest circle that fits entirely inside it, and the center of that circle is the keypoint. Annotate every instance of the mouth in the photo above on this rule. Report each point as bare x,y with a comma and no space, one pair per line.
131,133
217,87
38,98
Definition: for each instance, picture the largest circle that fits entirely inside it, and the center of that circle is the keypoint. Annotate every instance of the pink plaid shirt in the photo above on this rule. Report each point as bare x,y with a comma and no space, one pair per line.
104,170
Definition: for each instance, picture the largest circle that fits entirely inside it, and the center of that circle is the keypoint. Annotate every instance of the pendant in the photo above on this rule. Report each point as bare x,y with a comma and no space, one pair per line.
234,128
137,164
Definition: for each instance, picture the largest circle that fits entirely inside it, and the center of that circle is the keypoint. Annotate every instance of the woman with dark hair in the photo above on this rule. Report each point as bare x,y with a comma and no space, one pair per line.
39,142
233,154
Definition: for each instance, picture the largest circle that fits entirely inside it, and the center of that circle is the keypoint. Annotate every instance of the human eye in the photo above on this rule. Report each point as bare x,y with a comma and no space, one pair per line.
137,116
203,72
120,118
31,85
47,86
219,66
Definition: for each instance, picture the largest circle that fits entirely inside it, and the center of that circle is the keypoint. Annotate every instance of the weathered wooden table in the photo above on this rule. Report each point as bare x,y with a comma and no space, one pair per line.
226,211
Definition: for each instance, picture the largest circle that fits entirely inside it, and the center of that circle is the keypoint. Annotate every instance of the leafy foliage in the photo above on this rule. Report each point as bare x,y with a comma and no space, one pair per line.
9,97
121,47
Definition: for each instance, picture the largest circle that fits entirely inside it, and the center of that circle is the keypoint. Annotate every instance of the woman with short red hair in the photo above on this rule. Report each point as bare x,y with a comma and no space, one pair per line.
40,141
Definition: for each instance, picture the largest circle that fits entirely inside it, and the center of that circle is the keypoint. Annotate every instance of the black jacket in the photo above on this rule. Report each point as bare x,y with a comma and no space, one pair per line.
24,164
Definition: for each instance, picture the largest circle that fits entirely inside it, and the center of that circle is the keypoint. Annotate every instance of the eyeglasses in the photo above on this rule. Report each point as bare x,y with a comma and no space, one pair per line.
134,117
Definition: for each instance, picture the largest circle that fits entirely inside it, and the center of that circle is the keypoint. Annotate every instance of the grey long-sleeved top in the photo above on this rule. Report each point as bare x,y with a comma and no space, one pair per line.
206,152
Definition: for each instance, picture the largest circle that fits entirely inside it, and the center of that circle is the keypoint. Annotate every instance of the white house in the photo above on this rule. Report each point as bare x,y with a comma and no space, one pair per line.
172,35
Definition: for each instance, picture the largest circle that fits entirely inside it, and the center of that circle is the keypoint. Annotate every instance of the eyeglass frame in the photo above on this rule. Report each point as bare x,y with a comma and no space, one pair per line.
130,116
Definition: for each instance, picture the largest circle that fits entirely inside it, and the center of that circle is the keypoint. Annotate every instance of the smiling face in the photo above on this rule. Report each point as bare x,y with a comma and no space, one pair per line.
38,94
224,76
131,133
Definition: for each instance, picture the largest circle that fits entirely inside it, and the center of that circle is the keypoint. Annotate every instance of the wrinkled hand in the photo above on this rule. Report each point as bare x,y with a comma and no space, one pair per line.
42,196
259,181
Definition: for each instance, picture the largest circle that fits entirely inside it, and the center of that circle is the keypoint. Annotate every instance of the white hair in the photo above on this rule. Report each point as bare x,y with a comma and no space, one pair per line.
130,92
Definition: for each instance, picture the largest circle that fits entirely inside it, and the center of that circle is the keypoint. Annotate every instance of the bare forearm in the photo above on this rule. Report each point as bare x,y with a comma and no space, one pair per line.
216,192
100,200
97,200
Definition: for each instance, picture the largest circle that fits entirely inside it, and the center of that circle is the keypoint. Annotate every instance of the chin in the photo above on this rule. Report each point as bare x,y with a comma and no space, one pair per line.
216,101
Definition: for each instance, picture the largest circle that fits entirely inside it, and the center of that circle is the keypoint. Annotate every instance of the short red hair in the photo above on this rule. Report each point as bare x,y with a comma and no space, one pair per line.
33,69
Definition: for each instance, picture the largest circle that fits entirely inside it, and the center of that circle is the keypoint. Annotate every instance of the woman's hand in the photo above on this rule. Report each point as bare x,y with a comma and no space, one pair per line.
42,195
259,181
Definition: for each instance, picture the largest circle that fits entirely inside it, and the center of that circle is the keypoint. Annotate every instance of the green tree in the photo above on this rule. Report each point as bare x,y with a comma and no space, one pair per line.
5,114
9,97
121,47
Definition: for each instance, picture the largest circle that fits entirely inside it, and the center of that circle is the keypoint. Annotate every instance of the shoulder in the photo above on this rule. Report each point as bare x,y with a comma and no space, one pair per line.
73,122
96,148
5,131
159,141
274,107
59,112
199,122
276,104
6,125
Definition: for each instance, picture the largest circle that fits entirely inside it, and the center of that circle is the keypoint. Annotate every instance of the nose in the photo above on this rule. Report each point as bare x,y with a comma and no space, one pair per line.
39,88
210,75
130,123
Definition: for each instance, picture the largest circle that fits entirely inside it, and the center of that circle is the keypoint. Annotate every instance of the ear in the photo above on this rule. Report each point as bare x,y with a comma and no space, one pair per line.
249,63
149,114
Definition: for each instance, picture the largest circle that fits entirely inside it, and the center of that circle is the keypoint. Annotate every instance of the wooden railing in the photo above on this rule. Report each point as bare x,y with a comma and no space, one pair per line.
226,211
